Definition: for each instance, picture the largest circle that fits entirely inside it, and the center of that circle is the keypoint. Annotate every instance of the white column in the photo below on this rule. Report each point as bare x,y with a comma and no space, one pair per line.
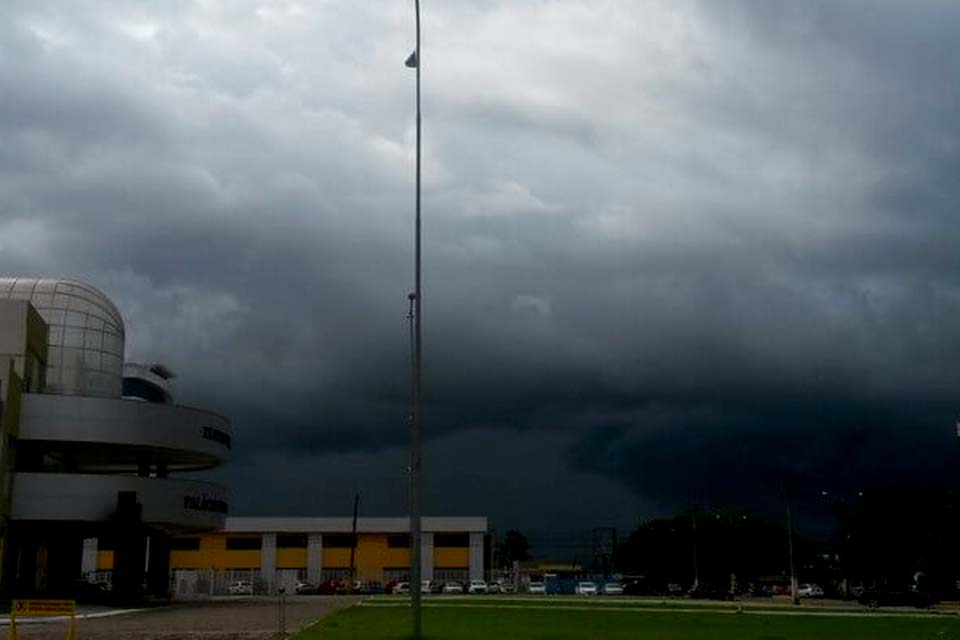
314,558
268,560
426,555
88,561
476,556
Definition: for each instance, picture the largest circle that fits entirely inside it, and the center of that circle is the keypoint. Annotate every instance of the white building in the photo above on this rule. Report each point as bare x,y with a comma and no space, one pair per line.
82,460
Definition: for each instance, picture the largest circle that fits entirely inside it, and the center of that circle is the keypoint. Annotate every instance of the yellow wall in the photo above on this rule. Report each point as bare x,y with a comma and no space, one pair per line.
291,558
451,557
104,560
373,555
336,558
213,554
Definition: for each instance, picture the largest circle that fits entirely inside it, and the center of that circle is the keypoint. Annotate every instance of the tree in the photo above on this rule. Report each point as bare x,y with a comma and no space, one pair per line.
514,547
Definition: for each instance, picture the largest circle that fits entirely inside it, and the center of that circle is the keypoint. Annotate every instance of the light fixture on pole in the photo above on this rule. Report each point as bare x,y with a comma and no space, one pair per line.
416,495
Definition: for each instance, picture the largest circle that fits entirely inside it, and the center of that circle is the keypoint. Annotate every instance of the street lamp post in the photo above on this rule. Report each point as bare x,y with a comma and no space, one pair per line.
795,597
416,494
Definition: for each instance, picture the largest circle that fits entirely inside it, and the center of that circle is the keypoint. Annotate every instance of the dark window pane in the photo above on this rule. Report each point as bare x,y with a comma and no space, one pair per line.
291,541
338,540
398,541
451,539
243,544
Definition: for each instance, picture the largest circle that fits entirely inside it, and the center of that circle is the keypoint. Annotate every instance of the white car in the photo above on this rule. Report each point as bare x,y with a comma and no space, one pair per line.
493,587
537,589
240,588
587,588
810,591
402,588
304,587
426,586
613,589
453,587
477,586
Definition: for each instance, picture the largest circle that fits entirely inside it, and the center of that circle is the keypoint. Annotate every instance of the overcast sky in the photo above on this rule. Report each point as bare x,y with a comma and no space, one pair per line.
676,253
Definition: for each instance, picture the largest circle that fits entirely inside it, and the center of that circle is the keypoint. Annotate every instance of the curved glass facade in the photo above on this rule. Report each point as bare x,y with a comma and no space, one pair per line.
86,339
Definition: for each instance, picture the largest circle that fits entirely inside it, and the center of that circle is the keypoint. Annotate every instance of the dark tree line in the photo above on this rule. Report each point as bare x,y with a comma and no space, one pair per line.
897,536
705,547
898,539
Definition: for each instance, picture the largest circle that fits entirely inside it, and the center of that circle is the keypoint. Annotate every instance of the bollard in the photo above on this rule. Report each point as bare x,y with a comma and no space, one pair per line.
282,612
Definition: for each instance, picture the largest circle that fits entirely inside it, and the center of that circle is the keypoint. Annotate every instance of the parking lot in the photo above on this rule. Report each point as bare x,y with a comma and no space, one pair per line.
217,619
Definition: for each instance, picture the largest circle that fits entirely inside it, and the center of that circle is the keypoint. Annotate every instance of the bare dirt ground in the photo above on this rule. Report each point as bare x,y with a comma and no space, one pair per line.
253,618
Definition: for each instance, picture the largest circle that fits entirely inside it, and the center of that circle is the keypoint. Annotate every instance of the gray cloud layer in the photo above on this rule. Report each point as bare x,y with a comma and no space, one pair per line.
675,252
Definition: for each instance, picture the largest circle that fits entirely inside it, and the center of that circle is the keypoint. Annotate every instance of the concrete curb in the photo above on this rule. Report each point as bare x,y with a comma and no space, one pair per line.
5,620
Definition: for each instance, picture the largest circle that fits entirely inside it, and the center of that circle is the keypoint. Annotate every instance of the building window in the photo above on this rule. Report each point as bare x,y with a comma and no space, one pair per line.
243,544
291,541
398,541
185,544
451,540
338,540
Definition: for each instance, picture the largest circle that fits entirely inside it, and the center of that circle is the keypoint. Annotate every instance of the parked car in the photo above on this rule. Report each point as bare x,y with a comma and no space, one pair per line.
587,588
710,592
426,586
240,588
477,586
493,587
537,588
453,587
364,587
896,598
304,588
88,590
641,586
328,587
506,587
810,591
613,589
402,588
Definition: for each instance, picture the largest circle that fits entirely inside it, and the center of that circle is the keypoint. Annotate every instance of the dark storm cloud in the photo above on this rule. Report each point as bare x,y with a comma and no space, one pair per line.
674,254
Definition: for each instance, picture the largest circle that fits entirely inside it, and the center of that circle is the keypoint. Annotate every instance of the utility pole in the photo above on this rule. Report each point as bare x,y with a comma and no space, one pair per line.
415,61
696,562
353,541
793,568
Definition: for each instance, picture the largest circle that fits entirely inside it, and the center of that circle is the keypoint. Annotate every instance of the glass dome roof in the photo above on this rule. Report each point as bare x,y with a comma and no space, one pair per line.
86,339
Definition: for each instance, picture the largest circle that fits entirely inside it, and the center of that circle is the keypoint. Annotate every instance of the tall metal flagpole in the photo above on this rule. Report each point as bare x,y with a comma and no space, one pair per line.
415,428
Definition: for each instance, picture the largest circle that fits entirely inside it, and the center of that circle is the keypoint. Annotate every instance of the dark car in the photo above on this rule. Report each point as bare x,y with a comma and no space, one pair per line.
328,587
710,592
87,591
638,587
896,598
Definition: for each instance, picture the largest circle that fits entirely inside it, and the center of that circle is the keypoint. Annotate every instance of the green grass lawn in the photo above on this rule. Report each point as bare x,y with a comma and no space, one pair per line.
454,621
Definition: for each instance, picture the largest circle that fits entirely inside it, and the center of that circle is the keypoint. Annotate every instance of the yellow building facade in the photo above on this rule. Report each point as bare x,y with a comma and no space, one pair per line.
279,552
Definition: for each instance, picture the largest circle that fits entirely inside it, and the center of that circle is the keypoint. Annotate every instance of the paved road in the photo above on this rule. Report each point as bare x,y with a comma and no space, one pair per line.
221,619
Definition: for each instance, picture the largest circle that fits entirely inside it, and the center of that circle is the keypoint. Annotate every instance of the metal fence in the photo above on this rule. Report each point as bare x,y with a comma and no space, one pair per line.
199,583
